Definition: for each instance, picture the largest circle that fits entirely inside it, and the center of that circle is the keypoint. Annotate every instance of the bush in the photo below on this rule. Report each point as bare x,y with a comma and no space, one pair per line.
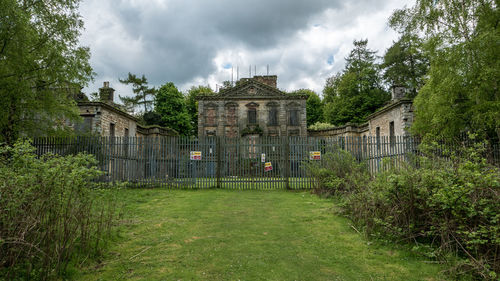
444,207
338,172
318,126
49,214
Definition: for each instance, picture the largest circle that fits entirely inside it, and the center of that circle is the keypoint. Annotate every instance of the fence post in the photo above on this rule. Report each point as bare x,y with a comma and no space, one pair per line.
219,159
287,162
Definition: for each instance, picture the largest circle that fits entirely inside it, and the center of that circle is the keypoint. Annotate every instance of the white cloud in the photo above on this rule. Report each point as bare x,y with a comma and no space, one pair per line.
190,42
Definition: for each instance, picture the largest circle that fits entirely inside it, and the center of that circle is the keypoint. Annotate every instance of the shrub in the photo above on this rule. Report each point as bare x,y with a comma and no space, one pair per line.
338,172
447,205
318,126
49,213
442,206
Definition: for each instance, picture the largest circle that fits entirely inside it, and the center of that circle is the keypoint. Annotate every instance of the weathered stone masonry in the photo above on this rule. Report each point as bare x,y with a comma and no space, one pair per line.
253,107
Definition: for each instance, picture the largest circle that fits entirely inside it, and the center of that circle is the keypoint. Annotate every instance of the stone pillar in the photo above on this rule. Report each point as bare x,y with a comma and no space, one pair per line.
221,117
282,118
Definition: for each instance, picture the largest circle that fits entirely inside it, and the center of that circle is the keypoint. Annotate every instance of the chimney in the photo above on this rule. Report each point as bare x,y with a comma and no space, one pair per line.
270,80
398,92
106,93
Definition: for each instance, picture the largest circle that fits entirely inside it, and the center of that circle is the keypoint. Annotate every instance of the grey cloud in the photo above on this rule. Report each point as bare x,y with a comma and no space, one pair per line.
180,41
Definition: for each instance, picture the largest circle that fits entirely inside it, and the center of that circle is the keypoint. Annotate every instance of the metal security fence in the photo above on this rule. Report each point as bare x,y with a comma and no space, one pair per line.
242,163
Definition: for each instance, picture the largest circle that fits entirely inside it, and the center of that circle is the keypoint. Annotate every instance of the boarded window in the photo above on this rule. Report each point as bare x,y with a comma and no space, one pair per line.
392,138
377,135
85,126
210,116
293,119
111,130
273,116
252,116
231,117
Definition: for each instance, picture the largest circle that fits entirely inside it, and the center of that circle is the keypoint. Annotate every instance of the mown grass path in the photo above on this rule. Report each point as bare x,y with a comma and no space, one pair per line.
245,235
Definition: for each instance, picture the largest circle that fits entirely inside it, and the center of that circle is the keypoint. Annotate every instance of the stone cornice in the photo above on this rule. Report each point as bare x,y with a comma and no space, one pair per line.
109,107
388,107
234,93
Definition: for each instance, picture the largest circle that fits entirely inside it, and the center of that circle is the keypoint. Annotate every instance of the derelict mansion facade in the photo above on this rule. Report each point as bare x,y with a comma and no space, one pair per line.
255,106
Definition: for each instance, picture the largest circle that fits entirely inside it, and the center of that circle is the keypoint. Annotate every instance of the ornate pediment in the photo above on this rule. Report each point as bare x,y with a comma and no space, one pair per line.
252,89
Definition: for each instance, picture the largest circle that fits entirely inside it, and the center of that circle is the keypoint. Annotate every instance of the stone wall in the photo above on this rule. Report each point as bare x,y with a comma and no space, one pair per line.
232,117
401,113
102,117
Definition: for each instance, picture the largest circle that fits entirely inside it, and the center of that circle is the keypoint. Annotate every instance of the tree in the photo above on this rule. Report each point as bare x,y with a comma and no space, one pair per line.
42,65
192,104
357,91
461,93
144,96
314,106
406,64
171,106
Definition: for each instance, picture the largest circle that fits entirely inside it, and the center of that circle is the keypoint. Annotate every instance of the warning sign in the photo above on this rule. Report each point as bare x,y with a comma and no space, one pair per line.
314,155
263,158
268,167
195,155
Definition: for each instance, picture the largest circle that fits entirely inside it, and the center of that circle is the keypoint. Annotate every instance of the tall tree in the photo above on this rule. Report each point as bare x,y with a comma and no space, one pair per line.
41,66
171,106
461,93
314,106
192,104
356,92
144,95
405,64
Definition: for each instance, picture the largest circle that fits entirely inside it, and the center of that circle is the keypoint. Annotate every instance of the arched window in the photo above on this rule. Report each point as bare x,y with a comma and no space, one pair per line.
252,112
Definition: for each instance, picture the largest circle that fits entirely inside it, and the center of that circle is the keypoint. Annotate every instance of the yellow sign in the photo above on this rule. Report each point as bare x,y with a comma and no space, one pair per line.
268,167
314,155
195,155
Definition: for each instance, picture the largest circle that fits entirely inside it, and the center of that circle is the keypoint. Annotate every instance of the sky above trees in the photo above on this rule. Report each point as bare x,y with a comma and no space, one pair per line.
195,42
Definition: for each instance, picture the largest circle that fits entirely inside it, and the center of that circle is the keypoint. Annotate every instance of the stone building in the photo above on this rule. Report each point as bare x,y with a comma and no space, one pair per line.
255,106
394,119
106,118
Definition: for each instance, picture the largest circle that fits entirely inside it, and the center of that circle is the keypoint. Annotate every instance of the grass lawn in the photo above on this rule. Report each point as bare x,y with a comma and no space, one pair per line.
245,235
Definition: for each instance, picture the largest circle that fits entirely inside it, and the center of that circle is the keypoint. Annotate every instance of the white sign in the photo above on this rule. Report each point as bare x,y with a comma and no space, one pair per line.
195,155
263,158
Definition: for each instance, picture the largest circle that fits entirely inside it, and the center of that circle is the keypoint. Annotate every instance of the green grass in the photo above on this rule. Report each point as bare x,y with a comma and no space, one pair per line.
245,235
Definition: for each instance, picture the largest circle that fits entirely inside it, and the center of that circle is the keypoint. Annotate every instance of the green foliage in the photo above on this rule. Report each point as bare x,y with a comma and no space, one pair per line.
41,66
252,130
445,207
461,93
144,96
338,173
314,106
171,105
321,126
192,104
405,64
151,118
229,235
355,93
49,215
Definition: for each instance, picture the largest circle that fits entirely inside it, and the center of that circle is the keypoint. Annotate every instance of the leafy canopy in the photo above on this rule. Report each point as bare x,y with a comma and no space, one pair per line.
144,95
461,93
357,91
314,106
192,104
171,106
41,66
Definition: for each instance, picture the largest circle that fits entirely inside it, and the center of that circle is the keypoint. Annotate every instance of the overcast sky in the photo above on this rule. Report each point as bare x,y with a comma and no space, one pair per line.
196,42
